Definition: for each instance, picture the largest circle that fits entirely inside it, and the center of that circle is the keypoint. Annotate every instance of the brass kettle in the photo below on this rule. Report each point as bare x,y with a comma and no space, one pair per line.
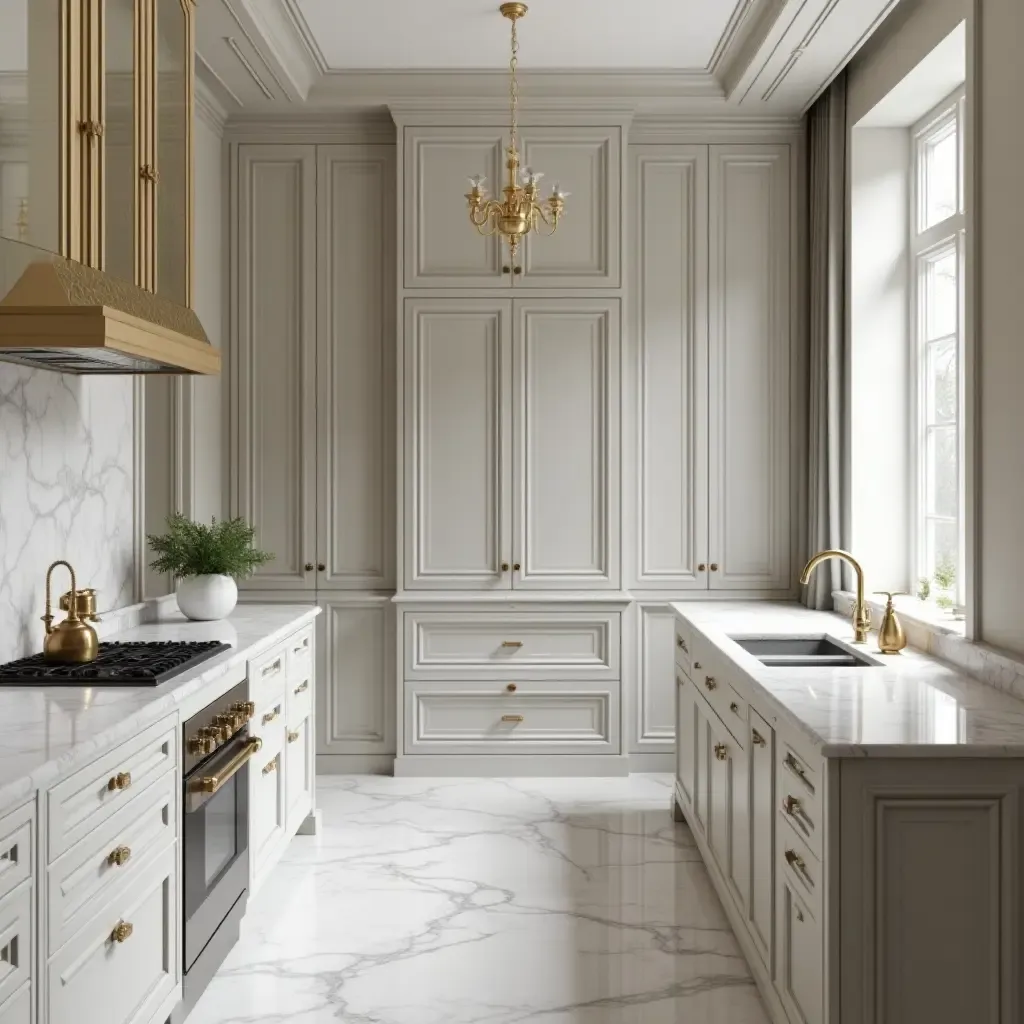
72,640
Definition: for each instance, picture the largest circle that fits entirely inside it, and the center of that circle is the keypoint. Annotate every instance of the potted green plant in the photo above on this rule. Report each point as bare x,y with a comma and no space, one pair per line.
206,561
945,580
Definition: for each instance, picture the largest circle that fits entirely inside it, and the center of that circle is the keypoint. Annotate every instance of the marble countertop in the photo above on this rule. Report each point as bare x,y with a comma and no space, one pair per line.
908,705
45,731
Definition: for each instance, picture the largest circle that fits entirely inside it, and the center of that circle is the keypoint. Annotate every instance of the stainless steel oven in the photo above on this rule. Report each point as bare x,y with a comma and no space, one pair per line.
215,834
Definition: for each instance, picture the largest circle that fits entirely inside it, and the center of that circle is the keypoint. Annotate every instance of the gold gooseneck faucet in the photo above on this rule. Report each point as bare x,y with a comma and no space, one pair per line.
861,614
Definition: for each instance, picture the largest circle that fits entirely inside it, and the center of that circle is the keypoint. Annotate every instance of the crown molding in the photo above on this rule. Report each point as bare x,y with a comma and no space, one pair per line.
471,110
702,129
352,127
286,36
208,107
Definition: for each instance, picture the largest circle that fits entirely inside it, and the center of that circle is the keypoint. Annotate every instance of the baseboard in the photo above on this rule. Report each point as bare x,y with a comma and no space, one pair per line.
511,765
649,761
355,764
681,812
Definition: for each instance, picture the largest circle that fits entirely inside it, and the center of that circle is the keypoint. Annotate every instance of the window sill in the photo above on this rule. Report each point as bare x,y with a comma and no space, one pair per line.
930,629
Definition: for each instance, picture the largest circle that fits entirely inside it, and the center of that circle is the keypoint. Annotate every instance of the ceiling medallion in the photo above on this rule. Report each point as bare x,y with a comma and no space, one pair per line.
521,210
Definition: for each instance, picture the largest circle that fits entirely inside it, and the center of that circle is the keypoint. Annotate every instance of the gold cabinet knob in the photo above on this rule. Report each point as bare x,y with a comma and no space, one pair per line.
701,567
721,751
122,780
271,767
504,566
791,805
293,736
511,687
758,739
308,567
506,270
709,682
321,567
714,567
120,856
681,644
696,665
122,932
734,708
516,567
517,270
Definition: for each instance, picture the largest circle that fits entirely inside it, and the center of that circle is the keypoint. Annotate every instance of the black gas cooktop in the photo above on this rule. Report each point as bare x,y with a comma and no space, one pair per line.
145,663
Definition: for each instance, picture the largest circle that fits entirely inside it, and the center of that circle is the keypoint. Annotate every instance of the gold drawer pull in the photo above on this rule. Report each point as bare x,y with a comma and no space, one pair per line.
734,708
709,682
293,736
797,862
799,914
791,805
681,644
511,643
120,856
721,752
303,646
757,738
696,665
122,780
271,715
271,669
302,688
512,718
123,932
793,765
271,767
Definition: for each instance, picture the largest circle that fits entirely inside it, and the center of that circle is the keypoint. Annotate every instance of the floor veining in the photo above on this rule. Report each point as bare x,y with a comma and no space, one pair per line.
487,901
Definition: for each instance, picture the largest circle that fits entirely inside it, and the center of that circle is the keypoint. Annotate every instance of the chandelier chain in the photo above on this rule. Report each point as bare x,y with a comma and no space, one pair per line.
513,88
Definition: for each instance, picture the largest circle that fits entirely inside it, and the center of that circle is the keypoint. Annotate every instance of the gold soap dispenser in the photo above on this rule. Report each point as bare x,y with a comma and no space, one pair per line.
891,638
72,640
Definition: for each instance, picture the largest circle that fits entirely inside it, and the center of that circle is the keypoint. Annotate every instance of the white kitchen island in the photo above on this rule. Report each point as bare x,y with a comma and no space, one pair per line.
862,825
90,817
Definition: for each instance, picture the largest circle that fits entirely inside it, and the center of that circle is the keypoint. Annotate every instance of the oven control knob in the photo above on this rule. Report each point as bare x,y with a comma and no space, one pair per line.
202,743
245,708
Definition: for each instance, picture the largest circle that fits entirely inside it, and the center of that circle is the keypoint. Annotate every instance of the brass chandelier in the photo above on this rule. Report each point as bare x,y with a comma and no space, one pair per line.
521,210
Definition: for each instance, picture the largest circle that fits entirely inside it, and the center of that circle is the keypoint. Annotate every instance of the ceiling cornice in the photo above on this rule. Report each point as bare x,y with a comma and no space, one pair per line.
329,128
724,127
209,109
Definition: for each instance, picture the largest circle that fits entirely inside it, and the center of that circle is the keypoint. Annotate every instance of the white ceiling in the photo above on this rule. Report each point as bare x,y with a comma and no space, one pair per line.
393,34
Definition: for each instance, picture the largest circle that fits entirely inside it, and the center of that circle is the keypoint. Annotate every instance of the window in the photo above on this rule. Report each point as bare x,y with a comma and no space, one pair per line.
937,270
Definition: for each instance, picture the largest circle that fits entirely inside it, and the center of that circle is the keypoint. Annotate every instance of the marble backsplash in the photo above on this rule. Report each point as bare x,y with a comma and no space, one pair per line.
66,491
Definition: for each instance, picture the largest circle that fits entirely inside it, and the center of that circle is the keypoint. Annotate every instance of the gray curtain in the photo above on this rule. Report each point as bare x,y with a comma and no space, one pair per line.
826,291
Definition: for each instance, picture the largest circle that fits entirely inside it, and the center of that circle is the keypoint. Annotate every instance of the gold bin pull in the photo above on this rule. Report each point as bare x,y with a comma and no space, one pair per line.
214,783
270,767
301,689
512,718
511,643
273,667
271,715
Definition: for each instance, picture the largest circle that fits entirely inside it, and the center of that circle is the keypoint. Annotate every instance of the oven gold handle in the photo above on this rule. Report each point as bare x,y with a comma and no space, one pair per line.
213,783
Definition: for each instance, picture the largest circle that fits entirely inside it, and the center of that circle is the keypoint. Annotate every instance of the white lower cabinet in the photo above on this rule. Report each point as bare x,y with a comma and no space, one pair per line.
18,1008
686,730
300,768
800,976
268,811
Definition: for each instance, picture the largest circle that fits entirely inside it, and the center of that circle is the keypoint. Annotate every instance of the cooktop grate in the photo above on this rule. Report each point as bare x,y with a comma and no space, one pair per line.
143,663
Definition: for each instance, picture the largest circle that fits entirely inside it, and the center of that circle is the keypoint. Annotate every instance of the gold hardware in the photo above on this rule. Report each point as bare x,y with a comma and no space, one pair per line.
202,743
799,914
713,567
681,644
517,270
244,707
506,270
504,566
94,129
120,781
797,862
122,933
512,718
120,856
214,783
85,603
696,665
149,173
516,567
791,763
791,805
293,736
511,643
302,688
891,638
758,739
701,567
861,613
308,567
721,752
521,210
229,724
511,687
709,682
304,646
734,708
72,640
270,767
275,667
320,566
271,715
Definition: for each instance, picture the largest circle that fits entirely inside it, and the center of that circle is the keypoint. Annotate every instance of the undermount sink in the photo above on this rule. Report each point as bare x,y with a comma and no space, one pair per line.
802,651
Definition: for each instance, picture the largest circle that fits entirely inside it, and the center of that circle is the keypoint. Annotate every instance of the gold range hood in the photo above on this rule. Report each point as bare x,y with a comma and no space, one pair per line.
61,315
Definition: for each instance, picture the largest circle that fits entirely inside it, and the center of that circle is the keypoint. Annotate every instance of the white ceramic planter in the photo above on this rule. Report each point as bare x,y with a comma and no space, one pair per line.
207,597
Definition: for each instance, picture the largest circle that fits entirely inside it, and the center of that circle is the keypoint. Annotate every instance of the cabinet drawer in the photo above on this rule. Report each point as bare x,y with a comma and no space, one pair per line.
300,654
86,878
131,979
89,797
16,941
269,722
17,848
799,866
268,811
800,980
512,645
268,675
18,1008
727,704
478,719
799,785
299,703
298,758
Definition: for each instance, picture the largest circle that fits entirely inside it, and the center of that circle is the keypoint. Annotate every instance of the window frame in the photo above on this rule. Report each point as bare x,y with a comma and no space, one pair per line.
925,244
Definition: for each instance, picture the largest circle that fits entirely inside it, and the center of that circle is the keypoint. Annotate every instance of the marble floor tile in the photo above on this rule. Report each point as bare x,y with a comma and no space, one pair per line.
496,901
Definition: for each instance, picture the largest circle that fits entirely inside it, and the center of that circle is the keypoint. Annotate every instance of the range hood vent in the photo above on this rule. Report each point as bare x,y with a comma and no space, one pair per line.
64,316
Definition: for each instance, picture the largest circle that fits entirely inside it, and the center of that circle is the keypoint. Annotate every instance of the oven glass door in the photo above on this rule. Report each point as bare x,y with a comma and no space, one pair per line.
216,841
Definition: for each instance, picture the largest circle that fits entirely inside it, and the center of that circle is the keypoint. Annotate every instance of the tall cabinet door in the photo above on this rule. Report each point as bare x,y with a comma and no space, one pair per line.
457,435
355,368
669,365
275,354
749,368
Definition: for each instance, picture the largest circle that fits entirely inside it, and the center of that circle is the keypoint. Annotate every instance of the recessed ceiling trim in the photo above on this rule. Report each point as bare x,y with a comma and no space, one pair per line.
306,35
244,61
256,50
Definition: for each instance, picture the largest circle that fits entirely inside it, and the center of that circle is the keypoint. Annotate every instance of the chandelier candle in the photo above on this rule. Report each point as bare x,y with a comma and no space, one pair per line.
521,210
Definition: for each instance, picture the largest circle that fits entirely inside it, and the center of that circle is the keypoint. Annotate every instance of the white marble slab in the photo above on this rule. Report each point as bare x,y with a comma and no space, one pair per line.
909,705
45,731
494,901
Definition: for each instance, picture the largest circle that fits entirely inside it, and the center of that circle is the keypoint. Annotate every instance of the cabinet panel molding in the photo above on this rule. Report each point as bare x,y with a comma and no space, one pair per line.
355,367
670,331
276,355
655,691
